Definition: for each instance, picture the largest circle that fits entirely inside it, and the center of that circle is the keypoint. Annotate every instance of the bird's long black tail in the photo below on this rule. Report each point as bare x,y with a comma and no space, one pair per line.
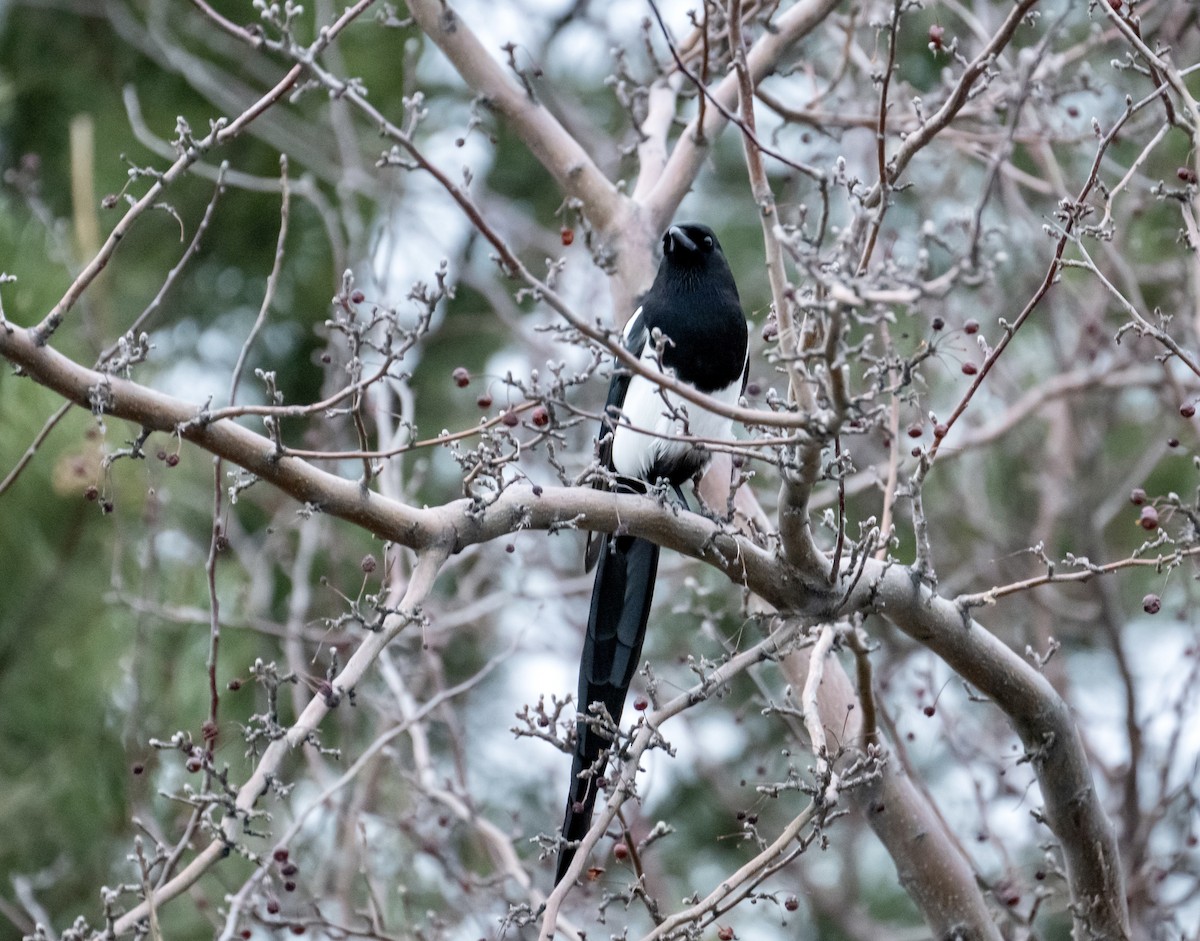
621,597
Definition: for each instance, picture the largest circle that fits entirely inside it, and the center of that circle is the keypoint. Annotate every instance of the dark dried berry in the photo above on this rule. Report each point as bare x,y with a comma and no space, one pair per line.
621,851
194,764
484,400
510,419
537,490
289,870
567,235
296,928
1172,442
641,704
540,416
1186,174
929,710
280,855
1152,604
971,326
107,506
915,430
1072,111
510,548
272,906
940,430
161,455
1149,518
172,460
753,389
326,358
209,731
1137,496
234,685
937,323
356,297
91,493
289,886
725,933
461,377
246,934
1187,410
1039,875
969,369
368,564
138,768
791,903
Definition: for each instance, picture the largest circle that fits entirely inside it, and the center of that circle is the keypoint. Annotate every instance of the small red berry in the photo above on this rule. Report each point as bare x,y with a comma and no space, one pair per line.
289,870
510,548
1149,518
937,33
929,710
1187,410
641,704
91,493
461,377
1152,604
791,903
484,400
172,460
356,297
368,563
915,430
621,851
1186,174
971,326
280,855
1137,496
273,906
194,764
510,419
725,933
969,369
540,416
940,430
568,235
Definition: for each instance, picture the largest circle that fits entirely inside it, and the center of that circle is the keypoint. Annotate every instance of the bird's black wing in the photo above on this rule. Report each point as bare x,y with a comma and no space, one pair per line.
633,339
625,571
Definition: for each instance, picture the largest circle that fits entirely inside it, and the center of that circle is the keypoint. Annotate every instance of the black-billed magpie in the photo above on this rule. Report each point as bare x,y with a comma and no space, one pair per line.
691,325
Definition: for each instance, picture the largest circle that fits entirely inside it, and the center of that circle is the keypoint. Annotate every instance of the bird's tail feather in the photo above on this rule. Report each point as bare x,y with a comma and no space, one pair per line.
621,598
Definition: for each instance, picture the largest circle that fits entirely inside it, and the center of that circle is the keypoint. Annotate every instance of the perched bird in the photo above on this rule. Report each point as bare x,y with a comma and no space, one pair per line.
691,325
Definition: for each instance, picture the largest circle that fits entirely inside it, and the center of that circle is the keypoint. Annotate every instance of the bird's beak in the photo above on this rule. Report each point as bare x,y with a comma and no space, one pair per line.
676,239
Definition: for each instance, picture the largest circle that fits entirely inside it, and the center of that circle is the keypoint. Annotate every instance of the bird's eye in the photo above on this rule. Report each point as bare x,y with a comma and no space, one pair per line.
708,242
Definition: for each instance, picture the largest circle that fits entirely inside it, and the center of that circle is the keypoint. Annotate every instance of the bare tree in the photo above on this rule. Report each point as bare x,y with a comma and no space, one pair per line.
978,346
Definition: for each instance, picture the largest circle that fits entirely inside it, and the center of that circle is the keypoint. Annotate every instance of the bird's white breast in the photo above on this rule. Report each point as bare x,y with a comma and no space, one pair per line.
648,434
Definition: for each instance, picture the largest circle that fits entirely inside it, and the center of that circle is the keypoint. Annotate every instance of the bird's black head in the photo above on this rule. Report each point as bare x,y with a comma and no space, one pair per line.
690,243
